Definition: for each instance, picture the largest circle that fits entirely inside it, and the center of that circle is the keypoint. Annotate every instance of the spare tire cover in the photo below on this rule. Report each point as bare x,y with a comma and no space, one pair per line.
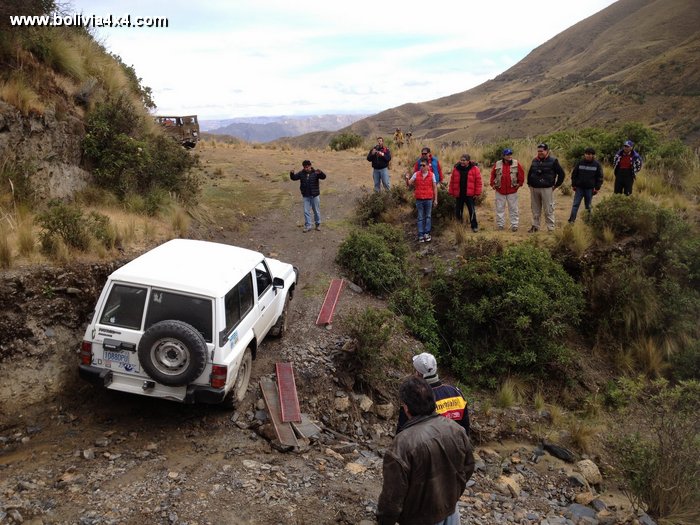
173,353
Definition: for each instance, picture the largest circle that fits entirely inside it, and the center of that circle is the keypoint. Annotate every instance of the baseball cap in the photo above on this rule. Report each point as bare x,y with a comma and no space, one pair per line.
507,151
543,145
628,143
425,364
306,163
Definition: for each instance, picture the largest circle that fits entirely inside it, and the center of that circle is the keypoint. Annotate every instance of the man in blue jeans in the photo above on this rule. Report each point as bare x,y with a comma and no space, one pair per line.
310,189
586,180
380,156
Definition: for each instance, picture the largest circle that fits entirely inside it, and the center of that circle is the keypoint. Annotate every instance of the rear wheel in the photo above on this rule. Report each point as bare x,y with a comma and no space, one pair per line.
240,387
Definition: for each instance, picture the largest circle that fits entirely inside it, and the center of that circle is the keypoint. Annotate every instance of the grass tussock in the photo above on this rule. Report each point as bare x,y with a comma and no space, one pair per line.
510,393
538,401
26,240
650,357
576,237
180,223
581,434
5,249
19,94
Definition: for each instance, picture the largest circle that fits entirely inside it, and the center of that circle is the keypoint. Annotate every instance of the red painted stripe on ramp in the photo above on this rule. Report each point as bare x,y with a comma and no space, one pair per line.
325,316
289,401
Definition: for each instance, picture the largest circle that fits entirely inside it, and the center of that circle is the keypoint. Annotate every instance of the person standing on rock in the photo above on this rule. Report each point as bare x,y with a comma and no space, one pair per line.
380,156
507,177
426,195
427,466
449,400
545,175
586,180
465,186
310,189
626,164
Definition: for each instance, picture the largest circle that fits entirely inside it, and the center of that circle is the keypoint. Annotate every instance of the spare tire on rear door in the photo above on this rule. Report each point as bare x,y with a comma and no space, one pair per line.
173,353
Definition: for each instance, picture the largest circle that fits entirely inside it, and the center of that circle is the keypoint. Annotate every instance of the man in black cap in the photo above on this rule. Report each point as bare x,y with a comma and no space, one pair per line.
544,176
310,189
626,164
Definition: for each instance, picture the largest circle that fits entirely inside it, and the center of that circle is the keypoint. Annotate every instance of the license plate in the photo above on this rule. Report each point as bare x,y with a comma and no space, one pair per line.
120,359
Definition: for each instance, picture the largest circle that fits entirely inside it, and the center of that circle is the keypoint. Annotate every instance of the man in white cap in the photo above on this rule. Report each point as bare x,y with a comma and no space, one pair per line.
449,400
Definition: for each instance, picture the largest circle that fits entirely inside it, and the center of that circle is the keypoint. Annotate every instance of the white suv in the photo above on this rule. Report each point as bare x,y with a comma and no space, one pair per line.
184,321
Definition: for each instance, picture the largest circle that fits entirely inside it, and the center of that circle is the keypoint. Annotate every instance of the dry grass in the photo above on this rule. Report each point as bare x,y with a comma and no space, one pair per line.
538,401
510,393
576,237
64,56
461,232
608,235
5,249
180,223
649,357
17,93
26,241
581,434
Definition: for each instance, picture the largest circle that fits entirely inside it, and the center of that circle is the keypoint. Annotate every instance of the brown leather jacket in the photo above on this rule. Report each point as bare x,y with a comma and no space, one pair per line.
426,469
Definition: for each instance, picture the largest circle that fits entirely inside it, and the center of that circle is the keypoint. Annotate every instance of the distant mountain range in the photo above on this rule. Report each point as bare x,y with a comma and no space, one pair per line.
634,61
265,129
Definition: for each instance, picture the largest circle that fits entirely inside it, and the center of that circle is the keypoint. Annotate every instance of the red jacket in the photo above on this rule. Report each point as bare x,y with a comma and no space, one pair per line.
424,185
474,182
506,187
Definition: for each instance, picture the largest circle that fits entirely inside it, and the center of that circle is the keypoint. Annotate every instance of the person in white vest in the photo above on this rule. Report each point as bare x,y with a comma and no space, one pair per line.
507,177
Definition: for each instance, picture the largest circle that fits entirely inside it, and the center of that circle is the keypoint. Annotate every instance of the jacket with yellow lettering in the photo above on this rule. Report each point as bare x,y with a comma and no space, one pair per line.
449,402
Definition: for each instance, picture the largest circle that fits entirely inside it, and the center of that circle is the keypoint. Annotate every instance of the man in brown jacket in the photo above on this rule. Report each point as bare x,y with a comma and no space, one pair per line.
427,467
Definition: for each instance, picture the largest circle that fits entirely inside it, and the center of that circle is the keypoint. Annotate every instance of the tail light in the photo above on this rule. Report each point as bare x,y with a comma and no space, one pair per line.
86,353
219,373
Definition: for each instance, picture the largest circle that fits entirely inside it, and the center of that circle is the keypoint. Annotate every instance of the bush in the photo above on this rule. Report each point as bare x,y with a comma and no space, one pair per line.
346,141
658,457
505,314
370,206
371,331
375,257
415,307
624,215
65,222
127,160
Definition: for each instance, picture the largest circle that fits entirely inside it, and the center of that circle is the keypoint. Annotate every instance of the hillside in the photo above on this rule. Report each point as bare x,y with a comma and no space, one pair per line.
633,61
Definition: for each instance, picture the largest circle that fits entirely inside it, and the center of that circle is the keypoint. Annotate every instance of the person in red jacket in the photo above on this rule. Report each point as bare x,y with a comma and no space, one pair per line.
507,177
426,195
465,185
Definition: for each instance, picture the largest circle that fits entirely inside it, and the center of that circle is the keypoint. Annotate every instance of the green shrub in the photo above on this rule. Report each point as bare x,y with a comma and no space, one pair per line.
124,159
375,257
371,330
15,180
415,307
345,141
494,151
66,222
445,209
658,454
624,215
505,314
369,206
101,228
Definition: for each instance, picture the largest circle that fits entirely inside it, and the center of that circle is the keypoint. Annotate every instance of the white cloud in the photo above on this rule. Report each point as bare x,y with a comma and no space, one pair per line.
269,57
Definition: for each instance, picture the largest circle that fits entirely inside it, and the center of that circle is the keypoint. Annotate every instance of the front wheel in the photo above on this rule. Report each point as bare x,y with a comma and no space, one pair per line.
280,327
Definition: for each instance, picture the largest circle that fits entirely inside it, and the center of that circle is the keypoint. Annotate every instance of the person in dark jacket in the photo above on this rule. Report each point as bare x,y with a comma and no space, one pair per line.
310,189
427,466
380,156
544,176
449,400
626,164
586,180
465,186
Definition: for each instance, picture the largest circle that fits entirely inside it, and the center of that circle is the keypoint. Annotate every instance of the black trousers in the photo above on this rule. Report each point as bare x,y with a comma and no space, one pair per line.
471,208
623,182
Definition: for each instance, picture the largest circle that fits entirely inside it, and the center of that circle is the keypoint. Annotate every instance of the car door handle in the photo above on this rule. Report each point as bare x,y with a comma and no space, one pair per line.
262,308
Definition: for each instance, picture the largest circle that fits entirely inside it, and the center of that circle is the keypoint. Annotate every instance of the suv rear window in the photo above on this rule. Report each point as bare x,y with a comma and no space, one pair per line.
124,307
196,311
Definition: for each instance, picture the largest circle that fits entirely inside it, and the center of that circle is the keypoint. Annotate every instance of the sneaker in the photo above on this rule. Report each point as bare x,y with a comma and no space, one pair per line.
427,237
533,229
306,229
500,228
318,227
475,229
421,238
514,228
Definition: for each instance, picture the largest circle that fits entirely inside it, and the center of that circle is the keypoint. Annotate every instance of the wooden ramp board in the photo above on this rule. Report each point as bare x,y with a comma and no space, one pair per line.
284,431
325,316
289,401
306,428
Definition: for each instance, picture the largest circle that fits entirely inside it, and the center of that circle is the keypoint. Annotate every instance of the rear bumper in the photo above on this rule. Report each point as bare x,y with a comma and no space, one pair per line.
193,394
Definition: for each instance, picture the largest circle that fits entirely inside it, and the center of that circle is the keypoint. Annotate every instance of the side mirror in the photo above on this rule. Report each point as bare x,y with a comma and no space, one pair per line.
278,282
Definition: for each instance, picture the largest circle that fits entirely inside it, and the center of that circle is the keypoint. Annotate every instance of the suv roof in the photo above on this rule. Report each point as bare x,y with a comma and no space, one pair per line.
198,267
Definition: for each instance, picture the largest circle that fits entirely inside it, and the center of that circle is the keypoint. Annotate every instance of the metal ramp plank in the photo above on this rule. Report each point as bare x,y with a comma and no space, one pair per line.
289,401
306,428
325,316
284,431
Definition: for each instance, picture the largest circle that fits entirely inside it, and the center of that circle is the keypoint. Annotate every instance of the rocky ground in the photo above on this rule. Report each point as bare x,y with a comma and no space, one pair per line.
73,454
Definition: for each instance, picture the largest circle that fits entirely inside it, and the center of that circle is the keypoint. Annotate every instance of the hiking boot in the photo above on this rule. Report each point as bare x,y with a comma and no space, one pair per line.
318,227
533,229
427,237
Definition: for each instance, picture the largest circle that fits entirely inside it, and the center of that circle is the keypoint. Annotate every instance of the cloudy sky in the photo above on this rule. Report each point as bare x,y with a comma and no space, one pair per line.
241,58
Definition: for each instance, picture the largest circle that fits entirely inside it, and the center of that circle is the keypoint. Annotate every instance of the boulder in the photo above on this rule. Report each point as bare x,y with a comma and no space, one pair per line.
590,471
